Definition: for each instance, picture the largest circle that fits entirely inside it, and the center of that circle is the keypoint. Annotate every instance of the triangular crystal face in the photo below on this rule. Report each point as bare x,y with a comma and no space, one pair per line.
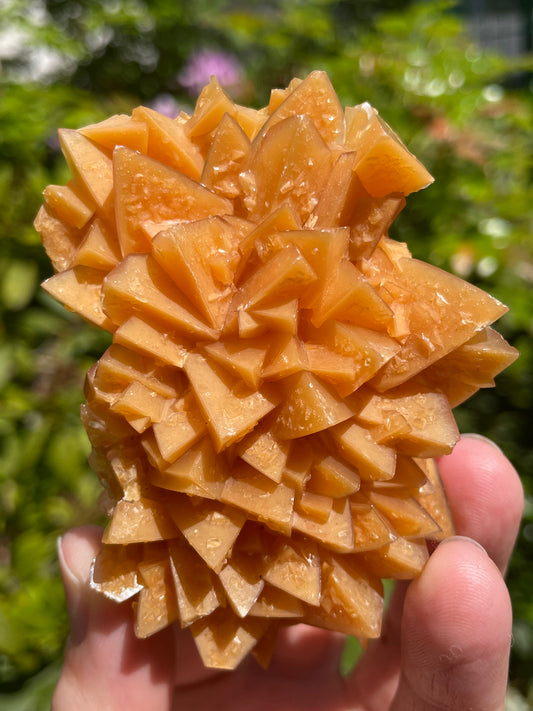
146,190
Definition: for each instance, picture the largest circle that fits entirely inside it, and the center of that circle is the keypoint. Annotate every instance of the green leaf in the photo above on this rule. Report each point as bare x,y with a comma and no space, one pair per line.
18,284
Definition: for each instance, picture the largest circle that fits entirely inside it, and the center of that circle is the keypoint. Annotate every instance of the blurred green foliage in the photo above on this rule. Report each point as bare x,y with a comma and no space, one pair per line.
44,482
466,113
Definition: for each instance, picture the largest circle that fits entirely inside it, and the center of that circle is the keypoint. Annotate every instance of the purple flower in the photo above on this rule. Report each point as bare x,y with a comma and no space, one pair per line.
52,141
166,104
202,65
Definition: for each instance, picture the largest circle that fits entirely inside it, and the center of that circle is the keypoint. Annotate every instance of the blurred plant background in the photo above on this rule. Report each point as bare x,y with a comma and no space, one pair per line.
465,110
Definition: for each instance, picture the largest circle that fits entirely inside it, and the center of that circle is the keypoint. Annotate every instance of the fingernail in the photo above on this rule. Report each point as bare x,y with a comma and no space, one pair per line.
75,584
70,575
76,551
451,539
481,438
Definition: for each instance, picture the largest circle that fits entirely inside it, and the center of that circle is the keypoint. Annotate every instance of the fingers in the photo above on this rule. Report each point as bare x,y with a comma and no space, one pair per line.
486,501
105,666
453,638
485,495
456,634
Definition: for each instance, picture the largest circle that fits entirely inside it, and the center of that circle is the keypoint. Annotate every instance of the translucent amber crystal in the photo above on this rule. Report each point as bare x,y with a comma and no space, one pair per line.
281,372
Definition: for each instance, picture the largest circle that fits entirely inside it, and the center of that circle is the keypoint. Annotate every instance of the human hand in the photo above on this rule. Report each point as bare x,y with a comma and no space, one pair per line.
445,642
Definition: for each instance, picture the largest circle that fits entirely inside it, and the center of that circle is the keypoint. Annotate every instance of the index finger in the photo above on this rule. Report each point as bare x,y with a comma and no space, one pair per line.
485,495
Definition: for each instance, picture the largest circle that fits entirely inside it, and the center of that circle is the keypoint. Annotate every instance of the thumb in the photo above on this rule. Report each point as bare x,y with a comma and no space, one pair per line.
105,666
456,633
76,551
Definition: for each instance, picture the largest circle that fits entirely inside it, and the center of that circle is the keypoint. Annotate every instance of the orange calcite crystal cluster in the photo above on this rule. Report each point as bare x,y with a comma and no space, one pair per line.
282,372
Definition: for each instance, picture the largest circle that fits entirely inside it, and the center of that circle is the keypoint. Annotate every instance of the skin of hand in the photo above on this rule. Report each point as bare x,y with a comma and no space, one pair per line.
445,642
